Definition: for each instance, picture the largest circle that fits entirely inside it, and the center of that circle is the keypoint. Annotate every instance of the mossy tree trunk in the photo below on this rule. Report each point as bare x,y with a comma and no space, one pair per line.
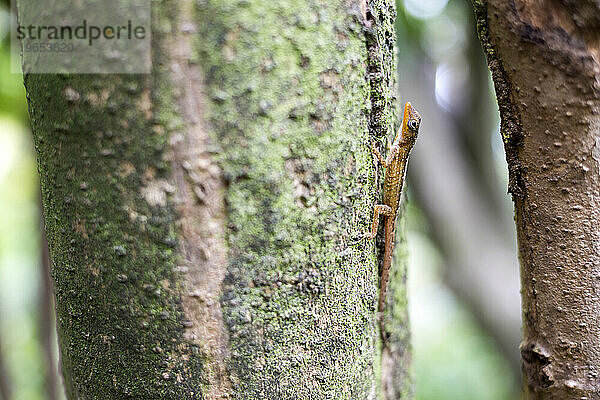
545,62
203,219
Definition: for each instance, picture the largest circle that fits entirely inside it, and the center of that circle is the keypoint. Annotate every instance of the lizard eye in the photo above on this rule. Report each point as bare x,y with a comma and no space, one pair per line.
413,124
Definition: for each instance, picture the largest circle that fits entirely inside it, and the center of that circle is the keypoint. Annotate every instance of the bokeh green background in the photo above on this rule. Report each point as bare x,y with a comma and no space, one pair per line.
453,356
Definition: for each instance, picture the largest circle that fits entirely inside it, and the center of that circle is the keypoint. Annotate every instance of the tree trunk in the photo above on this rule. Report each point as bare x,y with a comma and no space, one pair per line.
545,62
203,220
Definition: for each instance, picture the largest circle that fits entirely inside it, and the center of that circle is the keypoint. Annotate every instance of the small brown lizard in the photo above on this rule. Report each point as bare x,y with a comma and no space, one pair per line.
395,167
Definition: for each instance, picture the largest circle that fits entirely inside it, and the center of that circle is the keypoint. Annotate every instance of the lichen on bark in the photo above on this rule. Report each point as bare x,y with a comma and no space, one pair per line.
289,109
103,234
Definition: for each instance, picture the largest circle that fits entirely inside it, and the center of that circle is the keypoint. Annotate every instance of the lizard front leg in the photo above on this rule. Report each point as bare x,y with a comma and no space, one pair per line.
377,210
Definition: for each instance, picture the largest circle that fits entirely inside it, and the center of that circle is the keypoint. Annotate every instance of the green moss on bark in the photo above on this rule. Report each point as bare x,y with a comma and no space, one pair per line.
289,107
381,62
113,253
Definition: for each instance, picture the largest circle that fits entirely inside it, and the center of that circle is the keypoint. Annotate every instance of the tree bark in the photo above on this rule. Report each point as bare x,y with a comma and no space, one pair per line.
545,62
202,220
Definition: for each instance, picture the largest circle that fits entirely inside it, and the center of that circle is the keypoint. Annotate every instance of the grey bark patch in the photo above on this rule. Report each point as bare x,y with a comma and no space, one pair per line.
155,192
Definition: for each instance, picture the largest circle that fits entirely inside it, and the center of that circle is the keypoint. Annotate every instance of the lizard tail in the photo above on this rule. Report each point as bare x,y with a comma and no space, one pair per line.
390,229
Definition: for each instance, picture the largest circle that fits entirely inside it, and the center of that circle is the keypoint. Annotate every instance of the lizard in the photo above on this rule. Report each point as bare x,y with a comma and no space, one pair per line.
395,168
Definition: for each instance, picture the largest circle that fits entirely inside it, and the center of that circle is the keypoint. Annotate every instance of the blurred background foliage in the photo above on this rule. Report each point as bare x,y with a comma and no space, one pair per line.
463,274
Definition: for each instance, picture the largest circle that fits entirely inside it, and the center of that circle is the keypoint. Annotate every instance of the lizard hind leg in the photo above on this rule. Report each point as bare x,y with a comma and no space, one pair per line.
378,155
377,210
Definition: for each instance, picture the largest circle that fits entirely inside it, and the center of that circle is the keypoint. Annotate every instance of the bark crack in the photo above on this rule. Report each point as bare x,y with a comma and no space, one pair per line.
199,201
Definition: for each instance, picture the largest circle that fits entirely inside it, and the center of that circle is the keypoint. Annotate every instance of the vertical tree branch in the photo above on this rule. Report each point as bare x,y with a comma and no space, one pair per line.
544,61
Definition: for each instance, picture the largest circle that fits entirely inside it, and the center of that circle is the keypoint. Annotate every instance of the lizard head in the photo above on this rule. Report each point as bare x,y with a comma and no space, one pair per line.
410,123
